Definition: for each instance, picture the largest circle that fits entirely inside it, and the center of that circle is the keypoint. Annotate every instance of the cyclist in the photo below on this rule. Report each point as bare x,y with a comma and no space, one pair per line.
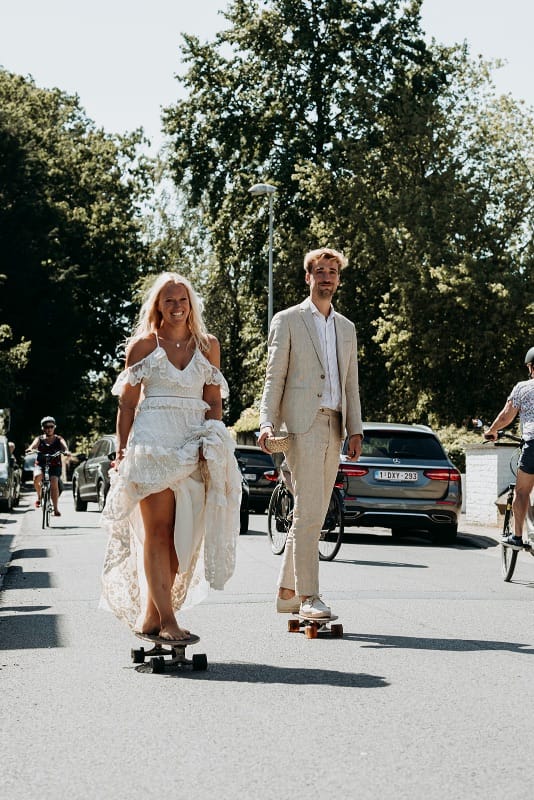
521,400
48,442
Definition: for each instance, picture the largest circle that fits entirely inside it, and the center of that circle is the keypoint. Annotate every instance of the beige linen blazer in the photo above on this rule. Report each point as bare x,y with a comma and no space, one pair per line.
295,376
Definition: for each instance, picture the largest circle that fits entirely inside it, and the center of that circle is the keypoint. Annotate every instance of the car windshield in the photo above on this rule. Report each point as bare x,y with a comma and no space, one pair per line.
398,444
253,459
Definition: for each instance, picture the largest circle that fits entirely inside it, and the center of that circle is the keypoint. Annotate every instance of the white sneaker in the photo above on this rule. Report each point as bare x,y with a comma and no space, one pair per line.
315,608
291,606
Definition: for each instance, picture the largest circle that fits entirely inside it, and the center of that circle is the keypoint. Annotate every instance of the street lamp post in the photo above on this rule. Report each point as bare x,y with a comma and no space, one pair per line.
268,189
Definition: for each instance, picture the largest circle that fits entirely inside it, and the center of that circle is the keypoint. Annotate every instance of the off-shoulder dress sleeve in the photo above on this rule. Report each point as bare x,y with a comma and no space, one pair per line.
214,377
132,375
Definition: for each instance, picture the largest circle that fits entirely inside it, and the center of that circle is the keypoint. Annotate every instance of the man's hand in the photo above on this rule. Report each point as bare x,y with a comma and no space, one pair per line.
491,436
354,449
266,433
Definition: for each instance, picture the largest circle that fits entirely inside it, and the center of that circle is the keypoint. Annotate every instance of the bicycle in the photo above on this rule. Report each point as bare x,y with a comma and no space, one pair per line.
46,495
508,555
280,519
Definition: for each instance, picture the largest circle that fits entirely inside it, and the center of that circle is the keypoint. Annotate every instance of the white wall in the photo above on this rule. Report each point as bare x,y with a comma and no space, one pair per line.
487,474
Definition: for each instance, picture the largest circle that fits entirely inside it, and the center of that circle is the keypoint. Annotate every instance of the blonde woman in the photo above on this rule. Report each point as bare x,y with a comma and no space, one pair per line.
172,511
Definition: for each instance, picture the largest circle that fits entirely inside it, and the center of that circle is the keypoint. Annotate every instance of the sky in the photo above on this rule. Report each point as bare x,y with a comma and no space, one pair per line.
121,56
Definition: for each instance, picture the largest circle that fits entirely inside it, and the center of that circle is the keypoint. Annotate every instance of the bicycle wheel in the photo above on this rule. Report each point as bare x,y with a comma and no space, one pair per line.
45,503
280,518
332,532
508,556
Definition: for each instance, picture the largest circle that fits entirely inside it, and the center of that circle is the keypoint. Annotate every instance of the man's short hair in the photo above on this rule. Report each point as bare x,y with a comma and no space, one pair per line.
324,254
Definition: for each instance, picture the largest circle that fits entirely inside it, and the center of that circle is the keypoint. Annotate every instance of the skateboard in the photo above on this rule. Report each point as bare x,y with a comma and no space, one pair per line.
156,656
314,628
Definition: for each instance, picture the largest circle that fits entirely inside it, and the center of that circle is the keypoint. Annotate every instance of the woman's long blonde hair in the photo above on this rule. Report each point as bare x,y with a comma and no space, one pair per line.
150,318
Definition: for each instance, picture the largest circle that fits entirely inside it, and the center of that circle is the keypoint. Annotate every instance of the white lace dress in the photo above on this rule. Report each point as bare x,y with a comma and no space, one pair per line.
163,453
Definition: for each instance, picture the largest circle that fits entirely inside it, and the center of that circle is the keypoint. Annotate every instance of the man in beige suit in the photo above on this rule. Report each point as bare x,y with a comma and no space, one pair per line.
311,391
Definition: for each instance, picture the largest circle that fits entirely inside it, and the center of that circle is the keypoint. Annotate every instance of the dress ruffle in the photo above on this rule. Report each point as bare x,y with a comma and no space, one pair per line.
188,377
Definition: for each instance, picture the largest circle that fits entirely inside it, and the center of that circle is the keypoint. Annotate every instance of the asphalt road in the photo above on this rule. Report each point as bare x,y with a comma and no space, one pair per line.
422,698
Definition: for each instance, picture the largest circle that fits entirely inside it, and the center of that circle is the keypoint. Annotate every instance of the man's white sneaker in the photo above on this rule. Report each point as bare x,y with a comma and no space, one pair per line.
291,606
315,608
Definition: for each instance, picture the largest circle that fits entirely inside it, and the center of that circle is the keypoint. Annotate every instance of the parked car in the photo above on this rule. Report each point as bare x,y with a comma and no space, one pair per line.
10,477
404,480
244,510
255,464
27,467
90,480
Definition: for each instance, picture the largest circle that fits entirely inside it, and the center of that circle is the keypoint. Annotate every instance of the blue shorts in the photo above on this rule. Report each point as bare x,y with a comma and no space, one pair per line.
526,459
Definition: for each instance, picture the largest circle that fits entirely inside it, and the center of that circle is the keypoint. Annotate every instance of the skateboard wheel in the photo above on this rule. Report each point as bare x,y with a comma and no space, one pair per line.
337,630
138,656
311,631
200,661
157,664
293,625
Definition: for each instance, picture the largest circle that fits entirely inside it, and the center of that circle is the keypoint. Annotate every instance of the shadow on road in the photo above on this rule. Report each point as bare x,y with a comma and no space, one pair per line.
455,645
16,578
29,633
362,563
464,541
244,672
30,552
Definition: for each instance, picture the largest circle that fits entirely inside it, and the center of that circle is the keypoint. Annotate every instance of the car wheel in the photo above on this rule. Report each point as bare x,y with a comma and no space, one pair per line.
79,504
6,505
101,495
444,534
244,519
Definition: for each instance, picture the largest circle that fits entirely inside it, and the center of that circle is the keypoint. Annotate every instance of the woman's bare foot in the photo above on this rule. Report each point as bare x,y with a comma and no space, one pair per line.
173,633
151,624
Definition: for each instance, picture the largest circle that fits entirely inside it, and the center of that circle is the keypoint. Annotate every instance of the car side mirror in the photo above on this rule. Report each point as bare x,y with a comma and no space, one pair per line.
112,456
81,457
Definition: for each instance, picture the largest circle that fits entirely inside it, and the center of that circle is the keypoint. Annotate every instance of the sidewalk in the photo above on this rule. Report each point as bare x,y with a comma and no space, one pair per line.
10,527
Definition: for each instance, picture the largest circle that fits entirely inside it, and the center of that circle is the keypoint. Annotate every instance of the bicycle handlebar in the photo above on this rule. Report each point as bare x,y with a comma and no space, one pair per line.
480,423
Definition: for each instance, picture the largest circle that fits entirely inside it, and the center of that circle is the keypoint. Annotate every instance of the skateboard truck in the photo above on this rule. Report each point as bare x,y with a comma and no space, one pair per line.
315,627
166,655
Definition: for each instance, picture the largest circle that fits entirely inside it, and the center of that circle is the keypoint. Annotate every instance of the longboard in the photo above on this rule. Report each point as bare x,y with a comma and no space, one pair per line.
315,627
155,660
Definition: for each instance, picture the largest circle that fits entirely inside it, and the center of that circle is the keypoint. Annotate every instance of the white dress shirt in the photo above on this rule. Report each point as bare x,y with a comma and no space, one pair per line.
326,330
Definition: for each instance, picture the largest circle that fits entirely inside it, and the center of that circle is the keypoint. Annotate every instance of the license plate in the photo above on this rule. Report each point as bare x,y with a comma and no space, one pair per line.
250,476
395,475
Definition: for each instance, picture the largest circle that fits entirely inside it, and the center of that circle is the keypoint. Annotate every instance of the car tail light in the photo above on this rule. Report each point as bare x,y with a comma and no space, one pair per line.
443,475
353,470
271,475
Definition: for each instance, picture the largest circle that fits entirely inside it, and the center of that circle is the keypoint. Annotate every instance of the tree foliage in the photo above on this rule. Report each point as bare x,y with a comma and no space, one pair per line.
397,153
70,252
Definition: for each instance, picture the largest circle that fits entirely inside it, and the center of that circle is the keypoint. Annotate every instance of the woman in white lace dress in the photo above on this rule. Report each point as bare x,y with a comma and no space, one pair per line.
172,511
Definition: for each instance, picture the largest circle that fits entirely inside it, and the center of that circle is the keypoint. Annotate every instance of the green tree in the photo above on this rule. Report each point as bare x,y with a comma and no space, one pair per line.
289,88
396,152
71,250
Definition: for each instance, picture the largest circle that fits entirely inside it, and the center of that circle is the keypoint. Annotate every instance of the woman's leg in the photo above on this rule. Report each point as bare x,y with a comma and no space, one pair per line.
54,493
37,480
161,564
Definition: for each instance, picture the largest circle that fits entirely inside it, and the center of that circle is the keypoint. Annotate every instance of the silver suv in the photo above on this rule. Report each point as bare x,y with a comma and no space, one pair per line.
10,477
404,480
